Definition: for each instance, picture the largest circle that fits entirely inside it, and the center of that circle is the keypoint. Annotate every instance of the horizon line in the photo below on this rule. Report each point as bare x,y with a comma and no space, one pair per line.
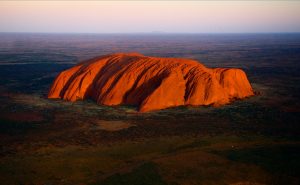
151,33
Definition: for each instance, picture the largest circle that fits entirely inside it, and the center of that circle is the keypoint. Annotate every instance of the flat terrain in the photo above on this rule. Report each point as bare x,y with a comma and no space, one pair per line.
254,141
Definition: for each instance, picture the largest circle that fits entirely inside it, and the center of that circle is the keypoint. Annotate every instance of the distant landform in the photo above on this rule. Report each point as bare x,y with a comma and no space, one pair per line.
151,83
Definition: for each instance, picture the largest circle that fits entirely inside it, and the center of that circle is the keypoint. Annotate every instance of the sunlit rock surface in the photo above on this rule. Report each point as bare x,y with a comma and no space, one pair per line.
151,83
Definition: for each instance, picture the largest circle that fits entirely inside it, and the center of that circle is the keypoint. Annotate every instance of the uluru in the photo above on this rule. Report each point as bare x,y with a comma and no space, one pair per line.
150,83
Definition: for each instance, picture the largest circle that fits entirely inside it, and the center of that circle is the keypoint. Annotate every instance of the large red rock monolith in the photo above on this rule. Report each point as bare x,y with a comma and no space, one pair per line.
151,83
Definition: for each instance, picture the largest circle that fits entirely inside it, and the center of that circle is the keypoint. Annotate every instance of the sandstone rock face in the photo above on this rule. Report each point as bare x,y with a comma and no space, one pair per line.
151,83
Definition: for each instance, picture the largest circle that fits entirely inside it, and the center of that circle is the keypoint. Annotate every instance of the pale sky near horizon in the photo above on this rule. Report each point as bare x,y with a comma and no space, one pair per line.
149,16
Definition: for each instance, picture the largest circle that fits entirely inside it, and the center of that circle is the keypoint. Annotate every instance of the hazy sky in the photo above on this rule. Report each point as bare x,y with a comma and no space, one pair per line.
149,16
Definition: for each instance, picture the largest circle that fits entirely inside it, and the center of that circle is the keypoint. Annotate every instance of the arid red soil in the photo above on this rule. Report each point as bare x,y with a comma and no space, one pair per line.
22,116
151,83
